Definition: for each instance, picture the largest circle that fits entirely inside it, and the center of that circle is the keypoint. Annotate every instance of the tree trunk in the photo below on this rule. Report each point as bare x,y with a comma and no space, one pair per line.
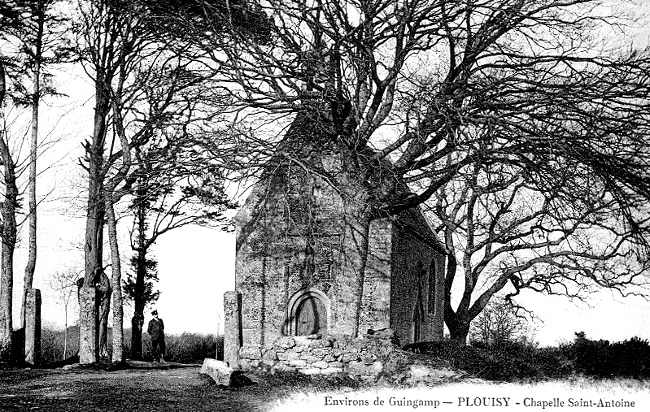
104,292
6,324
93,242
357,227
93,265
139,304
9,231
30,268
137,321
459,333
457,325
3,85
94,228
140,274
65,336
6,283
357,211
116,280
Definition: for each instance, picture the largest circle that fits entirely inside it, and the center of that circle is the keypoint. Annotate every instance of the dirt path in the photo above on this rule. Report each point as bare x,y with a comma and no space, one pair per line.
179,389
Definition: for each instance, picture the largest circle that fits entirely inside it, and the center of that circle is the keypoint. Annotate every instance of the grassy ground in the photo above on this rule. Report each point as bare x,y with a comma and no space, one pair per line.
183,389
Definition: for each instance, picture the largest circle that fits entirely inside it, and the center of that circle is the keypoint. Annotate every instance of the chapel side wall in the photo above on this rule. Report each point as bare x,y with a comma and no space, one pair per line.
409,250
375,306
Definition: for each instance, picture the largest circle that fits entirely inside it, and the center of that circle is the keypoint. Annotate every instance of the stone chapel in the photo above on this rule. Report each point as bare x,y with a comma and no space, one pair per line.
290,279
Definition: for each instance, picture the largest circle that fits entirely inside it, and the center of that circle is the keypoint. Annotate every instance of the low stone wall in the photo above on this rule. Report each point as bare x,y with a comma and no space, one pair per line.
365,357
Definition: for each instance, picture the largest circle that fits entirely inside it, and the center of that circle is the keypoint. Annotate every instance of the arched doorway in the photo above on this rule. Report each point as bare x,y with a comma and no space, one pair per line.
308,313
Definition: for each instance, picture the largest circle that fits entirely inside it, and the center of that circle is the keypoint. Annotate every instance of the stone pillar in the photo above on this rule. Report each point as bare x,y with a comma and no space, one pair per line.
87,327
33,327
232,328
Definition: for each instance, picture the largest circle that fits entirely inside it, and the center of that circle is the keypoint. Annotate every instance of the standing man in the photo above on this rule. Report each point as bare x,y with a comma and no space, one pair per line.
157,331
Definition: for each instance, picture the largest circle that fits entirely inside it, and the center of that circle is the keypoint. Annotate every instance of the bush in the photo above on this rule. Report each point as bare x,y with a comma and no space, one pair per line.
52,344
506,361
510,361
191,347
184,348
629,358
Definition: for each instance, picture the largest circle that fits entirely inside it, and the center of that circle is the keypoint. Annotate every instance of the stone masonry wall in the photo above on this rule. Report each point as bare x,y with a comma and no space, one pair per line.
365,356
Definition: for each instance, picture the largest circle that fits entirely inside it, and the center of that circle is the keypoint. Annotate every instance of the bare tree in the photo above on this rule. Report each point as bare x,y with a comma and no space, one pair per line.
9,207
40,37
99,44
499,323
64,283
8,225
33,35
6,272
415,92
30,33
505,234
14,166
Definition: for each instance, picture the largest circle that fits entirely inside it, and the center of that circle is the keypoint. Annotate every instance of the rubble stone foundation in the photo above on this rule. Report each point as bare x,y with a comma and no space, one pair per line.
313,355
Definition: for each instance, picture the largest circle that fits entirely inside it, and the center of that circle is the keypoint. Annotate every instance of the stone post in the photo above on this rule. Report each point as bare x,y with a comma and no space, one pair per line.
87,326
232,328
33,327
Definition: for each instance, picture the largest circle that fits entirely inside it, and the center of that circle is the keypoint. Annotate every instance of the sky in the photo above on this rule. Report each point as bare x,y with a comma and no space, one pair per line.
196,264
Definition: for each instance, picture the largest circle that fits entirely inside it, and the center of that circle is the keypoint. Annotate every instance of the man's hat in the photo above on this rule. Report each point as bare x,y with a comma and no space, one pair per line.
154,312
